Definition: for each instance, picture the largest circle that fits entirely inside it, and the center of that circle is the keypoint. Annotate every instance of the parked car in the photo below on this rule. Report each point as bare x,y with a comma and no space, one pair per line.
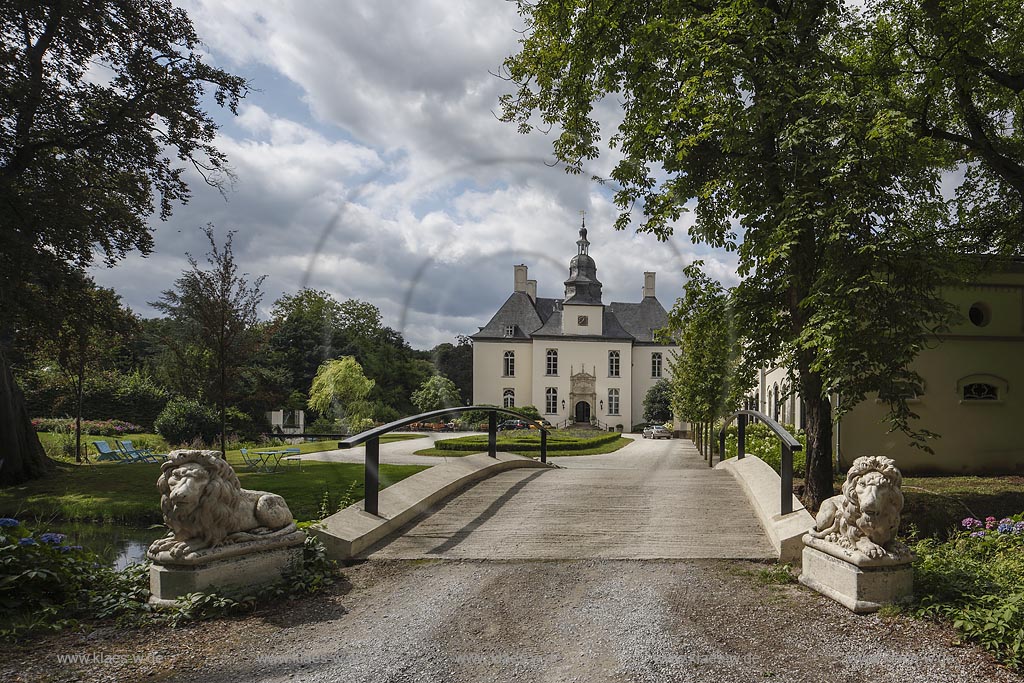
513,424
656,432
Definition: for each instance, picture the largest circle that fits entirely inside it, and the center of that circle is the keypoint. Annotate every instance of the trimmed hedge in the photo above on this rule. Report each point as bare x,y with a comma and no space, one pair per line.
525,442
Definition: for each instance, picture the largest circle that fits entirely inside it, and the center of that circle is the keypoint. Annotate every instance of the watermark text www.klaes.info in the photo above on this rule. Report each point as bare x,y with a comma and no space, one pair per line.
108,659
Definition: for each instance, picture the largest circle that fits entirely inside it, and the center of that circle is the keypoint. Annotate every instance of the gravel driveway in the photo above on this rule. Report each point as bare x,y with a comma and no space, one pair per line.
589,621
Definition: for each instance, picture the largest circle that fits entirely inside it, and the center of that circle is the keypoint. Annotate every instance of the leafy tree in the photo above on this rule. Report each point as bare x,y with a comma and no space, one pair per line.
955,73
529,411
85,162
455,361
754,114
658,402
218,308
708,378
435,393
339,388
92,320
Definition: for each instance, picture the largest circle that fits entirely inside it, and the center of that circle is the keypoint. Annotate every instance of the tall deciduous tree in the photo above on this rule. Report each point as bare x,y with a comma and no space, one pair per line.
708,376
436,393
219,309
100,109
956,71
752,114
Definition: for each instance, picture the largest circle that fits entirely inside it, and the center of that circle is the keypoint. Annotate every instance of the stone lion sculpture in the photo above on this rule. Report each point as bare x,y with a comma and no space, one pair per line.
205,507
866,515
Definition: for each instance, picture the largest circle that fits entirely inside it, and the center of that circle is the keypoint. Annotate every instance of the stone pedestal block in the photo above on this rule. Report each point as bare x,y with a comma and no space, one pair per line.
167,583
861,589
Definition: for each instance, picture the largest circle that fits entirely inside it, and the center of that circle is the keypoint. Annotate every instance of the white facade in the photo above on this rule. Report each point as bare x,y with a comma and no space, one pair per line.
575,359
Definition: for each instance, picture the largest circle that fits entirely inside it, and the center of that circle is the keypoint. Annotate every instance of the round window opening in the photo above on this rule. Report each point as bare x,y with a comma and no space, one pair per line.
980,314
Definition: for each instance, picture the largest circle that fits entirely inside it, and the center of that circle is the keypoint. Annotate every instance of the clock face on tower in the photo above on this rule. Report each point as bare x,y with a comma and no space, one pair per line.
581,320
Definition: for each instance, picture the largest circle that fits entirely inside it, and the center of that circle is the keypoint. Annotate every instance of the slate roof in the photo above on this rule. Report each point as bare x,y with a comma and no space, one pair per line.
520,311
642,319
542,319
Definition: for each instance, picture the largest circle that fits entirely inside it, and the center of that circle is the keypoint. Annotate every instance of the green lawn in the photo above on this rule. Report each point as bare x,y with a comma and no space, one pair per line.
935,505
126,493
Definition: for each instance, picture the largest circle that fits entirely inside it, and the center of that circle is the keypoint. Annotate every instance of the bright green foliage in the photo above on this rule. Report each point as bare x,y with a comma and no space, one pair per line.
707,377
436,393
529,412
978,585
753,115
761,441
339,387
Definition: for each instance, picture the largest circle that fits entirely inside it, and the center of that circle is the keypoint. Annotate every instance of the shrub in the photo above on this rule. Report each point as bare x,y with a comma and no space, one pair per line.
762,442
134,397
244,427
184,420
47,585
976,580
525,441
93,427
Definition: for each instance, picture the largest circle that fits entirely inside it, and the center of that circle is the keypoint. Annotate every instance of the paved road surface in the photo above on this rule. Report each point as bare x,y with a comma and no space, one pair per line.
649,500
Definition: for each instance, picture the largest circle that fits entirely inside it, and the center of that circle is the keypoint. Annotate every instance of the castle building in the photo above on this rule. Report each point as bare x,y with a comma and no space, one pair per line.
575,358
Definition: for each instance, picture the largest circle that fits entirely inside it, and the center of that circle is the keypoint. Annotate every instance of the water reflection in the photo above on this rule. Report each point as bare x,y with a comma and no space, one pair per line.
117,545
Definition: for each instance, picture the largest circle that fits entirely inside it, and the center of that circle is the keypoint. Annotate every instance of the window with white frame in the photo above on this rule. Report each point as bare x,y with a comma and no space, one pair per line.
613,363
508,398
613,401
510,330
551,400
552,362
656,365
510,364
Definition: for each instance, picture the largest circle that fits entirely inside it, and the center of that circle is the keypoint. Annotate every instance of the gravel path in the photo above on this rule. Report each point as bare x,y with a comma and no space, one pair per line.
694,621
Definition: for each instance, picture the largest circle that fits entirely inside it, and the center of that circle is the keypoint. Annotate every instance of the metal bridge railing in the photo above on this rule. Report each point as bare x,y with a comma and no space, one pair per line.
788,445
371,437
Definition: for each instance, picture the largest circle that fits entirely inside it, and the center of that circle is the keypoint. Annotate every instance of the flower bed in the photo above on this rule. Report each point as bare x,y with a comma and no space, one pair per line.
975,580
94,427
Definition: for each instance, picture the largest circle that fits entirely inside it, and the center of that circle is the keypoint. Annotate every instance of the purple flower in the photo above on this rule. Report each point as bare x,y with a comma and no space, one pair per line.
8,522
978,534
52,538
27,541
970,523
990,522
1018,528
1005,528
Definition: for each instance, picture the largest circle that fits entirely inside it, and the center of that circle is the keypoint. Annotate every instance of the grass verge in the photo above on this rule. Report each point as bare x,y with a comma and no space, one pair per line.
126,493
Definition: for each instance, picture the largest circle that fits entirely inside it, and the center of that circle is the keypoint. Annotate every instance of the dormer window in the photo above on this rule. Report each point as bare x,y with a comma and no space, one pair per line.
510,330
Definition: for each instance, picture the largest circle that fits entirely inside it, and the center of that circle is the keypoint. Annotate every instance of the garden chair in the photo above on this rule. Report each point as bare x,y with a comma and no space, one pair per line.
132,454
106,452
252,461
146,453
288,452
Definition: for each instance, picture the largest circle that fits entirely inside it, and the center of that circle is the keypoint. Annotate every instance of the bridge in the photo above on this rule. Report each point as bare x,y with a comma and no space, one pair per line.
649,500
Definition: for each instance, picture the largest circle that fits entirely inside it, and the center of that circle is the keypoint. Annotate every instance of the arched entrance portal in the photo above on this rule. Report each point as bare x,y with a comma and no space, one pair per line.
582,411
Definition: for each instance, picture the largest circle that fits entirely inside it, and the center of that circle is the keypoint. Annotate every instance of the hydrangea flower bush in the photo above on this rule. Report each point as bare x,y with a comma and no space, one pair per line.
975,580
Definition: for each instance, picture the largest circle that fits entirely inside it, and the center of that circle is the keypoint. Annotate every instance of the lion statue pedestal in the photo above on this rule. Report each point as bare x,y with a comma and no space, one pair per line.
221,535
852,554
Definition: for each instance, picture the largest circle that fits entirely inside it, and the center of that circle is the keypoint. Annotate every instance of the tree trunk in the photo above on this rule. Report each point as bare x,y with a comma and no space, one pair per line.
819,474
21,454
79,390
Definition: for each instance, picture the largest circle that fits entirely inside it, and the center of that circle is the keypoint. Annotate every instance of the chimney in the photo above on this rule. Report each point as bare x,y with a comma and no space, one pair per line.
648,284
531,289
519,284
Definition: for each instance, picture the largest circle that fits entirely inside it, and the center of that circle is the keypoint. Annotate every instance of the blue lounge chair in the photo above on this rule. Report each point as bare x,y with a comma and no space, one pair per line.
132,454
146,452
106,452
289,452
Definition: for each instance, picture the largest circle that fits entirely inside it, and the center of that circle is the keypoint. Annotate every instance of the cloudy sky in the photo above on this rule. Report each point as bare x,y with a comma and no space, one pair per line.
370,164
